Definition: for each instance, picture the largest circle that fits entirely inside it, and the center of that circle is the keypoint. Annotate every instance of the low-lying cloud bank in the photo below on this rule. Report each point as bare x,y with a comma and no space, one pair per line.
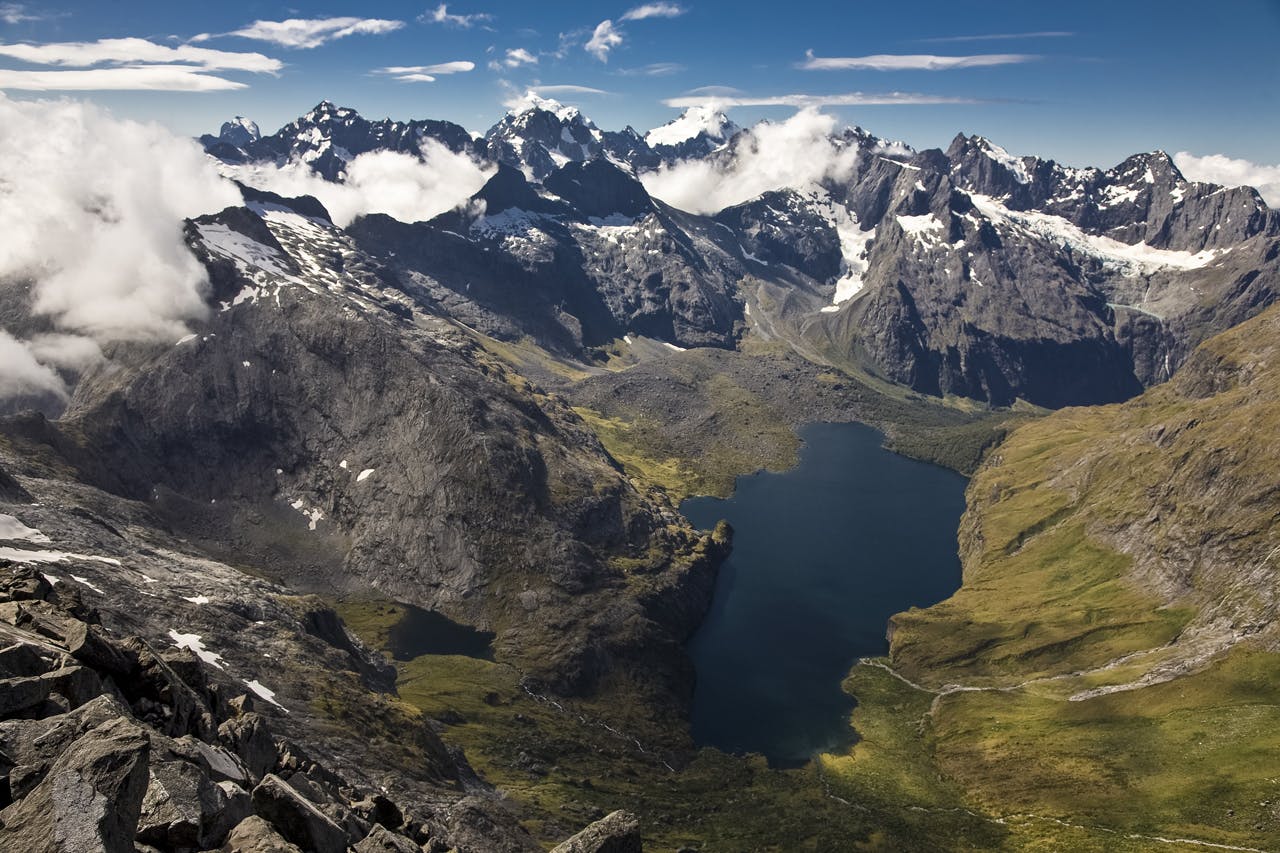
1220,169
400,185
92,208
770,156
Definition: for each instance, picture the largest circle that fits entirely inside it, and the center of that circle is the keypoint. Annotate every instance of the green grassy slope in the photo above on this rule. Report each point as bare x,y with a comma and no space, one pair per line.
1111,658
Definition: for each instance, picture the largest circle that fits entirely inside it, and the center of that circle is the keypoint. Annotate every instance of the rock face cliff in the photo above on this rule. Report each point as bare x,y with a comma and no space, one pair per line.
331,426
326,430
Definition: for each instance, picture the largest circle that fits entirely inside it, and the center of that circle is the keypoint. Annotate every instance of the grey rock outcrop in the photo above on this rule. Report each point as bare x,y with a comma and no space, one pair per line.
383,840
255,835
618,832
297,820
91,798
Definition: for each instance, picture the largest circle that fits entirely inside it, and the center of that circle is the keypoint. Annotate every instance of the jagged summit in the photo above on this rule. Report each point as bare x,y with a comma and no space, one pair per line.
701,122
239,132
531,102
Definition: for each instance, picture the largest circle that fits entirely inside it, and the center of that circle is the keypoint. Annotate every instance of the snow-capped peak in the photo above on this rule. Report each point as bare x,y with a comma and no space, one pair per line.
531,101
1004,158
239,132
700,120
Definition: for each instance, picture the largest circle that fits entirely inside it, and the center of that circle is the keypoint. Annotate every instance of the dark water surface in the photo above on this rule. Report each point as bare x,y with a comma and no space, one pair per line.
823,555
425,632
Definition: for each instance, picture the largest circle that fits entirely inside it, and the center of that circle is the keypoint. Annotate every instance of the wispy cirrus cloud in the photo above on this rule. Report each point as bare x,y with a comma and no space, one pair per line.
426,73
516,57
849,99
543,97
306,33
656,69
604,38
653,10
134,64
910,61
1043,34
1231,172
442,15
18,13
146,78
137,51
562,89
724,91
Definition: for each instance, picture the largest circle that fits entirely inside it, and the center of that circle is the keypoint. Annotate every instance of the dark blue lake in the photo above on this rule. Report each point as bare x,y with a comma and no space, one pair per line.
823,555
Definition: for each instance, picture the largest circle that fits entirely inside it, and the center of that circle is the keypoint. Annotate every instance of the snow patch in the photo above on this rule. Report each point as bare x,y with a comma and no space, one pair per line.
248,253
264,693
88,583
1004,158
20,555
194,643
854,247
1128,259
1118,195
313,515
926,229
13,529
900,164
196,599
365,474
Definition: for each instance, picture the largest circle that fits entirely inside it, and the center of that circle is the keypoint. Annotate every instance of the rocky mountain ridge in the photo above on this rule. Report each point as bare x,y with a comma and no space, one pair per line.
968,272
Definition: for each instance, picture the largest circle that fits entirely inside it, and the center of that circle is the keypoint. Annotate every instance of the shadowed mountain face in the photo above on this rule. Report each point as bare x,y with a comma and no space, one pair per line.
968,272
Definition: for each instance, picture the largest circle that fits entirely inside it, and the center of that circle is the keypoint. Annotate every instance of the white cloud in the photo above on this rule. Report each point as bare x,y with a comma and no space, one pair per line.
1043,34
1231,172
92,210
603,39
724,91
167,78
441,15
850,99
653,10
16,13
399,185
310,32
519,56
656,69
910,62
135,51
568,89
798,152
22,374
71,352
426,73
135,64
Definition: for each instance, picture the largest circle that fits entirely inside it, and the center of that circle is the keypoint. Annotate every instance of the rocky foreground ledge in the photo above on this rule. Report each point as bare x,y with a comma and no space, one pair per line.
108,744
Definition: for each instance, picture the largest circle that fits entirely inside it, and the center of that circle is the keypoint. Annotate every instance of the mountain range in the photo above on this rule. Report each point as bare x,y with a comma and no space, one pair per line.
968,272
488,417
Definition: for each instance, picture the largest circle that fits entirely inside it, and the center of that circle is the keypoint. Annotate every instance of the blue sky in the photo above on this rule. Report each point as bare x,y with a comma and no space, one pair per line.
1083,82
